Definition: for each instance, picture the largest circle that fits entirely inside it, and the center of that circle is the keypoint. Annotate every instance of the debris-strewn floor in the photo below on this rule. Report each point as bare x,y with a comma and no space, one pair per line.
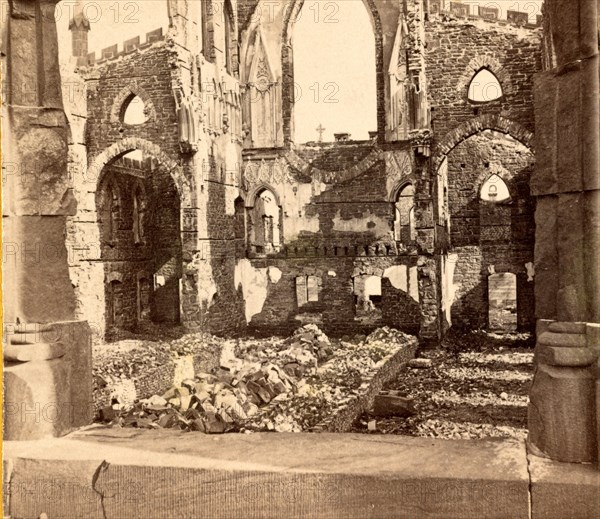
286,385
476,387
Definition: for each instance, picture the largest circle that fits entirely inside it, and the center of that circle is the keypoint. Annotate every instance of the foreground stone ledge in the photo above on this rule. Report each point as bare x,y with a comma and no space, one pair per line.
564,490
128,473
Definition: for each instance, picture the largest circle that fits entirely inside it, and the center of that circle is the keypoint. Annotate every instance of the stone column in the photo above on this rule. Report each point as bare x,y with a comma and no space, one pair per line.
566,182
47,354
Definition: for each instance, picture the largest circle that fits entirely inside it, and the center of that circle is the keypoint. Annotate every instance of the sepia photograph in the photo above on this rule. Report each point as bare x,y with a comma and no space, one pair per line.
300,259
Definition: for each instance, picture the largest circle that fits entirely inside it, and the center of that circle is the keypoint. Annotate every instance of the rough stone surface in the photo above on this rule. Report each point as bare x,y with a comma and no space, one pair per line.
37,402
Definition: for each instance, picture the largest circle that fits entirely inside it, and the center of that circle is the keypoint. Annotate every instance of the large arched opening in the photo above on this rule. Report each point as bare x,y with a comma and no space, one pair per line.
330,80
486,214
138,209
127,239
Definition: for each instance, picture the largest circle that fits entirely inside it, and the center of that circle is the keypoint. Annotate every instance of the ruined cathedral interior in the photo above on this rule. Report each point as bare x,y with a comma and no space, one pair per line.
200,206
193,178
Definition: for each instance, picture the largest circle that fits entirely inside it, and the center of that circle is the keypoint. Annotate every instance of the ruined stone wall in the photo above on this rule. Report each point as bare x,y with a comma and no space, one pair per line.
336,200
487,236
336,308
193,133
457,50
338,216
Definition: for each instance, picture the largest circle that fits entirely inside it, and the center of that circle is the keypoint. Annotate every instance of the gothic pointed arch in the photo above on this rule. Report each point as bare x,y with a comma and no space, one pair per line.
262,97
494,189
291,15
484,87
124,98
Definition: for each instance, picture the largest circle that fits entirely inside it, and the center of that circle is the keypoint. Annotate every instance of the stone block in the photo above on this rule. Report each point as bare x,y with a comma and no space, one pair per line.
561,422
35,270
37,402
76,338
41,486
165,474
393,405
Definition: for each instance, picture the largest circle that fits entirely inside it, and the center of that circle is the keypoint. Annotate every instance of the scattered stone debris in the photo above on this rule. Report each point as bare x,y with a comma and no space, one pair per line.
283,385
477,392
419,363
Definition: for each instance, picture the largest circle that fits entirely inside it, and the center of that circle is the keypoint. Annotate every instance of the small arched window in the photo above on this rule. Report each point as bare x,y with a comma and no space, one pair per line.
265,223
134,111
404,222
494,189
484,87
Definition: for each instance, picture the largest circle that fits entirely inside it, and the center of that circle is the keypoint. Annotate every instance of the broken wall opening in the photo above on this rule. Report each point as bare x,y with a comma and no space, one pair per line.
502,302
368,297
264,223
138,210
490,219
334,67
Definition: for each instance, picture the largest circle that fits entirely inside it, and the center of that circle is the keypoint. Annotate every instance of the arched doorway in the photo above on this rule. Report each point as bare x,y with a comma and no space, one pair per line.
139,219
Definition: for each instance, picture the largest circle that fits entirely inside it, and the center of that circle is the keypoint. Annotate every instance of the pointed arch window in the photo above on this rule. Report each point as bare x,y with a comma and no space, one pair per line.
484,87
206,21
340,77
494,189
134,111
404,222
229,37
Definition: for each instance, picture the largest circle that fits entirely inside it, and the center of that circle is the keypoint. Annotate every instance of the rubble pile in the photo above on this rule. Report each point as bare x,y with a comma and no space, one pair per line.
129,359
282,385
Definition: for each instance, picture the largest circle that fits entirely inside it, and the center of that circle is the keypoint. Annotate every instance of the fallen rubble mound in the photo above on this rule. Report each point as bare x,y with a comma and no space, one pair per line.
283,385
